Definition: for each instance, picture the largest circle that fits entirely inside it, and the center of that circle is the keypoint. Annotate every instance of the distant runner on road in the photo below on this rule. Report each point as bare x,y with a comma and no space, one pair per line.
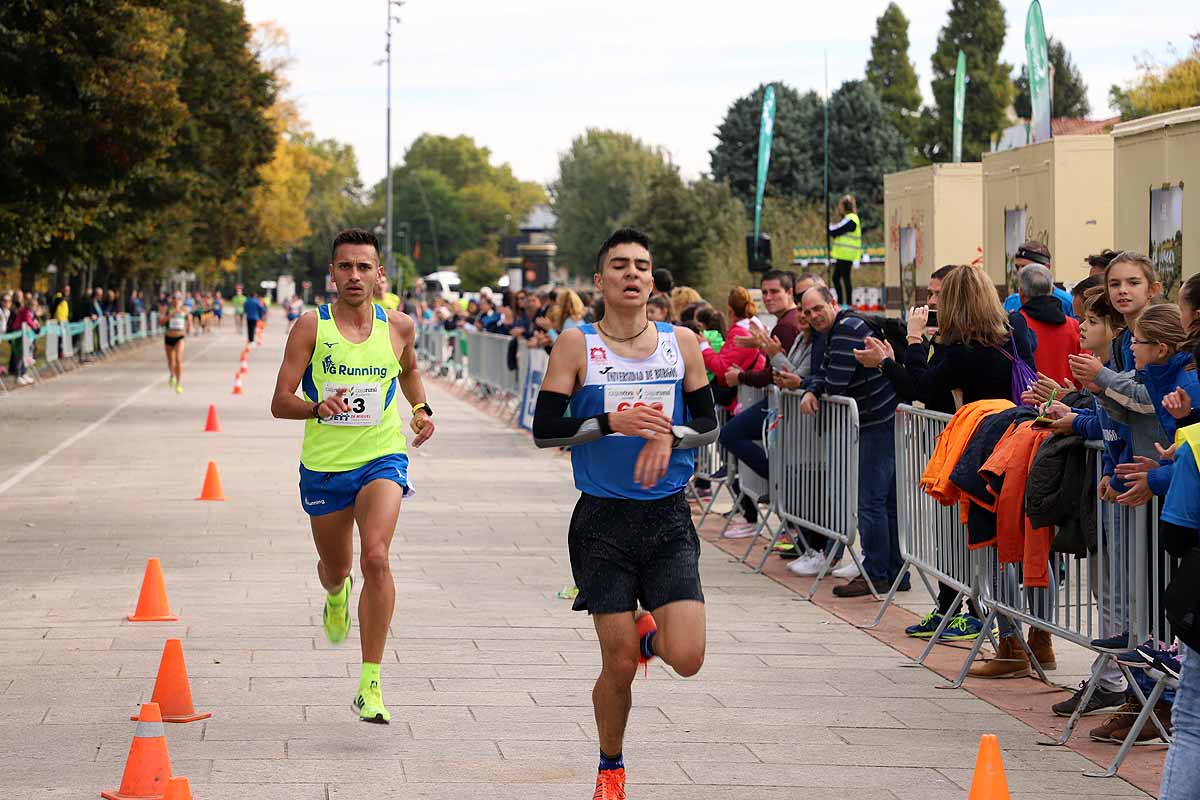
640,404
350,356
177,324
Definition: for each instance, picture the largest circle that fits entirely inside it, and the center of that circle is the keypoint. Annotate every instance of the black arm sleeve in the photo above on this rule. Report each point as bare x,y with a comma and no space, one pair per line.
702,428
552,429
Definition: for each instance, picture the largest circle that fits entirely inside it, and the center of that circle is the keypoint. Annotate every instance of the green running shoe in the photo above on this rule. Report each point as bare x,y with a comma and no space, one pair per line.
369,705
336,617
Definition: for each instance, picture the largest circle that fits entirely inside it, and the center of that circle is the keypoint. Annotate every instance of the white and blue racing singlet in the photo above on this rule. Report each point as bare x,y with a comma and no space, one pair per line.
604,467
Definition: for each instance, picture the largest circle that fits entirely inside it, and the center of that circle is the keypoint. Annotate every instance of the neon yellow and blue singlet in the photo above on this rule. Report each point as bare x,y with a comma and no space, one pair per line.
372,429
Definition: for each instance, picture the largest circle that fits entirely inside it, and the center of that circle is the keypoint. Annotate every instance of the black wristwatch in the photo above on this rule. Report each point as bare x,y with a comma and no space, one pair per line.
315,409
423,407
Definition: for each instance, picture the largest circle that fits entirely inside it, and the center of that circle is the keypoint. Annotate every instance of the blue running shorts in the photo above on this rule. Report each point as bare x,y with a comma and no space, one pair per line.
326,492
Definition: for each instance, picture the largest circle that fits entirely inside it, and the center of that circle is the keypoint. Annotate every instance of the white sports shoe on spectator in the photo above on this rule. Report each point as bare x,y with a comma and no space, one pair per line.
808,564
742,531
847,570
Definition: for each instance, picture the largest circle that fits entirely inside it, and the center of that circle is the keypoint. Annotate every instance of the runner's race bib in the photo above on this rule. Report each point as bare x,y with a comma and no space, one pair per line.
622,397
365,401
176,323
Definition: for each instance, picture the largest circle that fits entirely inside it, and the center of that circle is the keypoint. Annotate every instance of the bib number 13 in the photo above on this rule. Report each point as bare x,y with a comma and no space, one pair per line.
365,401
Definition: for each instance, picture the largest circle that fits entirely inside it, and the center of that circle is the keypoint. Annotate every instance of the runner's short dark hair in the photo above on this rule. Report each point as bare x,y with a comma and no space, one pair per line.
355,236
621,236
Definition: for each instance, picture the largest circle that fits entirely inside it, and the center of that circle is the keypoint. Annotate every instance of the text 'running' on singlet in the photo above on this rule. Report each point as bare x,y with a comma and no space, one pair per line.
369,371
604,467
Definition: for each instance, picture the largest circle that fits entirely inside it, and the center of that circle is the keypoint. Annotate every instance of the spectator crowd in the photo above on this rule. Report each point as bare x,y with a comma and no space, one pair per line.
1030,379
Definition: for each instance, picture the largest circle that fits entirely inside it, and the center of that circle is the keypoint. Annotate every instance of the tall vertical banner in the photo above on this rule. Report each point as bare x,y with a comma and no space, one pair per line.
765,130
960,99
1038,66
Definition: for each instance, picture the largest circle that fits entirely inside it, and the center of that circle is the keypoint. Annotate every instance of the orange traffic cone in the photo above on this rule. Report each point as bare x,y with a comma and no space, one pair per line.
212,484
152,605
245,365
989,782
148,766
172,692
237,384
178,789
212,425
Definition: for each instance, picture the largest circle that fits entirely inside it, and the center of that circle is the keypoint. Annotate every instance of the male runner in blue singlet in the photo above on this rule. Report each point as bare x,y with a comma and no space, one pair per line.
640,404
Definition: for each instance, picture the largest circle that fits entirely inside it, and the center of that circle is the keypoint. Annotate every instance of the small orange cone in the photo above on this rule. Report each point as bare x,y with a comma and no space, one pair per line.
152,605
989,782
178,789
212,484
237,384
212,425
148,766
172,692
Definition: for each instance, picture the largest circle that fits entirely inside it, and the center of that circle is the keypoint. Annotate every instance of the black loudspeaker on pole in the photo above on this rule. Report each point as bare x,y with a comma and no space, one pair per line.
758,259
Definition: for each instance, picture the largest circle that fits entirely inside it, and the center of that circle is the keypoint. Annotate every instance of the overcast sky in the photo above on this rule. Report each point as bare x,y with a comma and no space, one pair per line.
525,77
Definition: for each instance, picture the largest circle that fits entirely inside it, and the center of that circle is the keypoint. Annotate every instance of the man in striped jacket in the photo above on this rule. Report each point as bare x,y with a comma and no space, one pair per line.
840,374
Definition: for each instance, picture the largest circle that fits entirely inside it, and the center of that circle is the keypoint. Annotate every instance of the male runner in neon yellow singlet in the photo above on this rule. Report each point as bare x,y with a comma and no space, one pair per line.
348,357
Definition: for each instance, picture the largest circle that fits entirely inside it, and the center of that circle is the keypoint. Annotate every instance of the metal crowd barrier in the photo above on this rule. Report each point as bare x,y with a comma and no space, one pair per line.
814,476
1118,588
714,468
52,350
487,365
748,486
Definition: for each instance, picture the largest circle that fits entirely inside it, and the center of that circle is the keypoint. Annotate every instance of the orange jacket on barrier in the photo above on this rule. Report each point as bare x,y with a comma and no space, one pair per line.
950,445
1016,538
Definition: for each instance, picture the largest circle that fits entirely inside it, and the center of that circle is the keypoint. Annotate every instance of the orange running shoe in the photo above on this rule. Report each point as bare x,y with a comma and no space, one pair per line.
645,623
610,785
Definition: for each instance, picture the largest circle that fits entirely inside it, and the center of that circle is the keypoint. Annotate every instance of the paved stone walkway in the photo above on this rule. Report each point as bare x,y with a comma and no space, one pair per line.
488,674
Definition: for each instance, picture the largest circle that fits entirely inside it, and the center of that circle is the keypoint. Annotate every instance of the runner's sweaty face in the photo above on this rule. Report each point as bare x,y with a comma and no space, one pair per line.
627,277
355,271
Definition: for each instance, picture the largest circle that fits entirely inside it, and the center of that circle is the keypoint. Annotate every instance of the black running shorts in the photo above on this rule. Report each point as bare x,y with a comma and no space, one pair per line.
628,551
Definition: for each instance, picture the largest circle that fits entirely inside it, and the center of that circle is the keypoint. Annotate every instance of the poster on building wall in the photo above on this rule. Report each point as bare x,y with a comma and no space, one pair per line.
908,268
1014,237
1166,236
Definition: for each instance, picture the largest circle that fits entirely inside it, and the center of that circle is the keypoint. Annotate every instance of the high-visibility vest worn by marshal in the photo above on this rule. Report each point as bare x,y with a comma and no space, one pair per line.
848,246
604,467
369,372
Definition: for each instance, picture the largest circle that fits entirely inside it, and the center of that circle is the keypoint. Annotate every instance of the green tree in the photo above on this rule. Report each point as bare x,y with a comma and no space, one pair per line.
796,149
1161,88
479,267
892,73
669,214
725,226
229,95
494,198
89,106
977,28
1069,98
863,147
601,177
435,215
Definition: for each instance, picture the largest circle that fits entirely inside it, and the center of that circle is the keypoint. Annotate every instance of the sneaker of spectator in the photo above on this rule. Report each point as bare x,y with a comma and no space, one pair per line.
1102,700
1112,644
926,627
743,530
849,570
807,565
965,628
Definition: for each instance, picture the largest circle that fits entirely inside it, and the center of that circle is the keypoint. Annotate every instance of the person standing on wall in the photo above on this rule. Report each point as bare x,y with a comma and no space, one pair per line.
845,248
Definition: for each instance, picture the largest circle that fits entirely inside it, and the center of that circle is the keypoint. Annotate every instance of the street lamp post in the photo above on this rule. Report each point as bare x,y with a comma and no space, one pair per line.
389,258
